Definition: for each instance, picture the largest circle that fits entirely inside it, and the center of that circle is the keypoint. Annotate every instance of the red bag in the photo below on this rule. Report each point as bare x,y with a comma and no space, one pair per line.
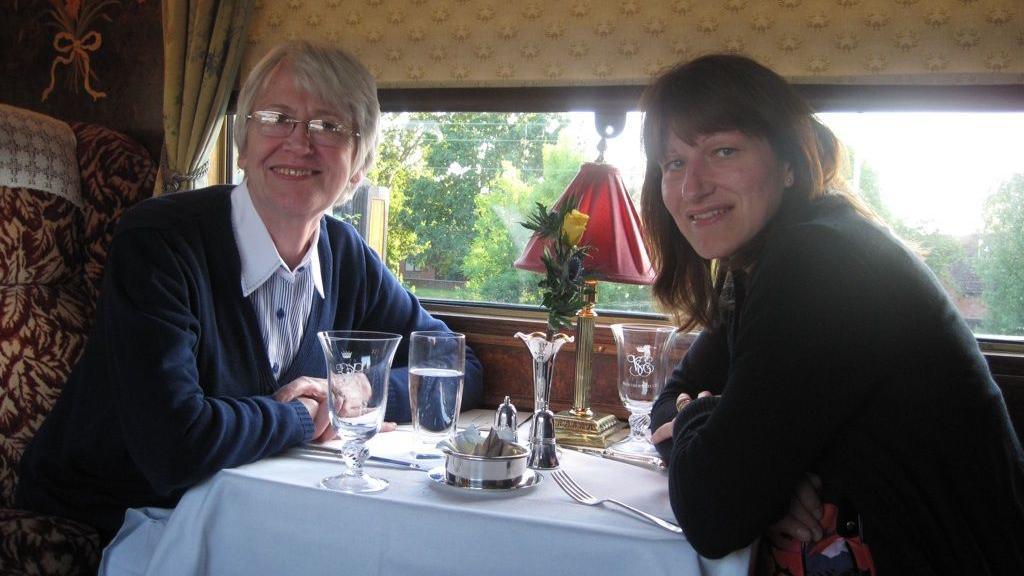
833,555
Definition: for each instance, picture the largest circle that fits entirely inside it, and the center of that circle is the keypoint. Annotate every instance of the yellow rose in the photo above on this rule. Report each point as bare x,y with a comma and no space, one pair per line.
573,226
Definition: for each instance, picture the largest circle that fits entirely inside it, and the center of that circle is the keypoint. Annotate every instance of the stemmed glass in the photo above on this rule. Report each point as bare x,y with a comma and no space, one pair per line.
641,378
358,366
677,347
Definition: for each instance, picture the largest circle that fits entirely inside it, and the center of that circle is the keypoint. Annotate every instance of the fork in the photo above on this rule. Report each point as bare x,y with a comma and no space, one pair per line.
580,495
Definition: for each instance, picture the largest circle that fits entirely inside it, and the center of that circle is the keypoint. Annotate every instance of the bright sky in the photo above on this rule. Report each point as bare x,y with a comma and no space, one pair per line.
934,169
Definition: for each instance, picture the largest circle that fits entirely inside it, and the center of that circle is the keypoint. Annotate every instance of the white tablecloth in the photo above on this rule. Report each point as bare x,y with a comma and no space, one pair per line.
270,517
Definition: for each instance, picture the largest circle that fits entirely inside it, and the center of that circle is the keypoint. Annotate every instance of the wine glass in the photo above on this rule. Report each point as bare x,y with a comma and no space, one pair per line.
678,345
358,366
641,378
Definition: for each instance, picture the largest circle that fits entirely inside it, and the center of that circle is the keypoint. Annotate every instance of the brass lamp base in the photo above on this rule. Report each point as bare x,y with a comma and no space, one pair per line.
590,429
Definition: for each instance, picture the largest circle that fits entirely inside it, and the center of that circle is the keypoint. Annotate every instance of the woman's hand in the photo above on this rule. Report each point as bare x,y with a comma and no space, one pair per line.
303,386
322,431
351,394
801,523
664,432
312,393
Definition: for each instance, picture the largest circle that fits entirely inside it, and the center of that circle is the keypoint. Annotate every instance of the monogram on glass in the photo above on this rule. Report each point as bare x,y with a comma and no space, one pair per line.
437,365
358,366
641,378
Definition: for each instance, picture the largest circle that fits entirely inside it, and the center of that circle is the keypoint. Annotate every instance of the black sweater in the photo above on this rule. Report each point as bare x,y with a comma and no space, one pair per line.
846,358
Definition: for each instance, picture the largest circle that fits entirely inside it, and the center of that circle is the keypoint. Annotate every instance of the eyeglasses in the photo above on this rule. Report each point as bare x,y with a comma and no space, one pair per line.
320,132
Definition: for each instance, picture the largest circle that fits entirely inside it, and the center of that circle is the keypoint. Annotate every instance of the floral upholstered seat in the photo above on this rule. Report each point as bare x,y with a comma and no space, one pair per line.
62,189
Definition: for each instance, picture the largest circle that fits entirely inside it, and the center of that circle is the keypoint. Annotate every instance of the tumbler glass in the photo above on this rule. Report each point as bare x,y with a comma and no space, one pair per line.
437,364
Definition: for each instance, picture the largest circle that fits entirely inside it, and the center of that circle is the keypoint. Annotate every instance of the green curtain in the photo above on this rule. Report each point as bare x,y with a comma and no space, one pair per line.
203,45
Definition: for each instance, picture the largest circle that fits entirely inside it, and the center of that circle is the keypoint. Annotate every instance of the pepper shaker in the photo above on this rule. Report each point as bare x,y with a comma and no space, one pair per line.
506,417
543,452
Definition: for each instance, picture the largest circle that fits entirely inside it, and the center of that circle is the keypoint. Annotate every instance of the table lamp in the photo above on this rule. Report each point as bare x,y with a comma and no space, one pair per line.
617,253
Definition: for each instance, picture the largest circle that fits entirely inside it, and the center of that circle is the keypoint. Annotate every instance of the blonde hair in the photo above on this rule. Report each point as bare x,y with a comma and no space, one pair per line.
329,74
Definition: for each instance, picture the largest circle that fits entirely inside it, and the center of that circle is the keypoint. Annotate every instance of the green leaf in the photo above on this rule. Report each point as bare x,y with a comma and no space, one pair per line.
563,265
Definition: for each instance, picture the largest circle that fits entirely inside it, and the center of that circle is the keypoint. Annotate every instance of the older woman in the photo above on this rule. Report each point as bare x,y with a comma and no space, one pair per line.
834,378
205,353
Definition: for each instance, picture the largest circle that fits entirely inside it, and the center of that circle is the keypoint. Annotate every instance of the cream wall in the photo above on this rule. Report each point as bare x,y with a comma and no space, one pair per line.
441,43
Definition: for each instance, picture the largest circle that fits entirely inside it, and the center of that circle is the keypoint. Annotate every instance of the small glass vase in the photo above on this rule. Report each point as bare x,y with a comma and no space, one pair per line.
543,454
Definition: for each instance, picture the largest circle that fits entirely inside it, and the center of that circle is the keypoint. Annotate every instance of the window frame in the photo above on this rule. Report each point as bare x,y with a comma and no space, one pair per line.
821,97
619,99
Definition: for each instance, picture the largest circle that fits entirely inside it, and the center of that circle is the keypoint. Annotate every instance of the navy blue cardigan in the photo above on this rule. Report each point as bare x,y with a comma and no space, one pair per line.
175,383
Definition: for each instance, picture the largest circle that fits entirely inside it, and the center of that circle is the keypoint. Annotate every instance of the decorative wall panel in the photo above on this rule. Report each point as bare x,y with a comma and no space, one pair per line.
442,43
93,61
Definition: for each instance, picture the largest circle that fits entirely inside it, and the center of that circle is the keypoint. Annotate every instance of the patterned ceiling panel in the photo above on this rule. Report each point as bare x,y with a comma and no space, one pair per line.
444,43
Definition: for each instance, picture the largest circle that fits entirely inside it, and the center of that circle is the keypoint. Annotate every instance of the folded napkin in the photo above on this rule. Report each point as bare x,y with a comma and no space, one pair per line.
499,442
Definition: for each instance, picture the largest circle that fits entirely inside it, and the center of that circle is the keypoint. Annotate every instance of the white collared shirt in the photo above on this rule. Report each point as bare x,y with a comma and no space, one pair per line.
281,298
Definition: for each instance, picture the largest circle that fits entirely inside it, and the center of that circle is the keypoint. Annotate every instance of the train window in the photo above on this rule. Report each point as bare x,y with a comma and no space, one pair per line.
453,187
953,184
461,183
457,186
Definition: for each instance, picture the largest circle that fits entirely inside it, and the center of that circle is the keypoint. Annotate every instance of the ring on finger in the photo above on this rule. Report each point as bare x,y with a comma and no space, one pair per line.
681,402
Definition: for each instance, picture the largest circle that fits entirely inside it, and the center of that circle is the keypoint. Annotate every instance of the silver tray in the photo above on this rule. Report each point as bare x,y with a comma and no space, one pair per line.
529,480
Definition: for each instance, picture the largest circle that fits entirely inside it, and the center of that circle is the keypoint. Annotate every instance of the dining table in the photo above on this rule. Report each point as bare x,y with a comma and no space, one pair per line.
272,517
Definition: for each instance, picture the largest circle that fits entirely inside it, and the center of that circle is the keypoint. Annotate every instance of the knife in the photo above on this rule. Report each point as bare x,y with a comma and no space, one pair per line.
412,465
643,461
328,451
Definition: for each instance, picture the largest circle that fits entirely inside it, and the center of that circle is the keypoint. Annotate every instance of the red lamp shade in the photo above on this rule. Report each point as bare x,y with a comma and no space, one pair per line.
617,250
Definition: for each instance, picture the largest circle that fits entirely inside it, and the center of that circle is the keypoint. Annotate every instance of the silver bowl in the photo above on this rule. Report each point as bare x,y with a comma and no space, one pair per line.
496,472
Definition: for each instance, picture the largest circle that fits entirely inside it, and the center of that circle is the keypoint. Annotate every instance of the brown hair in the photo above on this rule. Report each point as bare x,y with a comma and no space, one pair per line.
716,93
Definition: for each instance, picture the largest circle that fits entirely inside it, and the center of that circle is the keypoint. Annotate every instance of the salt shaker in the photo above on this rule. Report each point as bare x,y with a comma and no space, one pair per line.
506,417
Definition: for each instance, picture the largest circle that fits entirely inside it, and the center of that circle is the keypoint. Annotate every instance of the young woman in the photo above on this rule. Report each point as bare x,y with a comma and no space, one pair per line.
833,372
